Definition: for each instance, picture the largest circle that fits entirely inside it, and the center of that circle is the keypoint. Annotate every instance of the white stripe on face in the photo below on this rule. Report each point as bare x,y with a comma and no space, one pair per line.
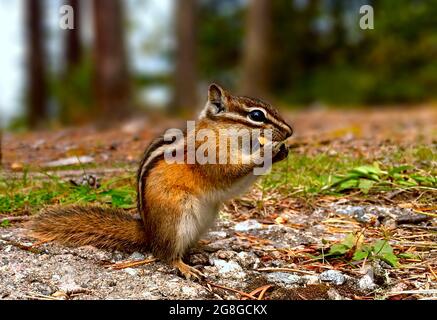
237,117
279,123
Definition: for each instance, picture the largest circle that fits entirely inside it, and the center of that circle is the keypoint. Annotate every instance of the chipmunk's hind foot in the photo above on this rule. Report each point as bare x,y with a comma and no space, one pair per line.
187,271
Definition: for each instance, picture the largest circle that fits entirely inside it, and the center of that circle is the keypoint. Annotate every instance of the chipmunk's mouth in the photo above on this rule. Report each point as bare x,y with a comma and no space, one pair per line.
263,141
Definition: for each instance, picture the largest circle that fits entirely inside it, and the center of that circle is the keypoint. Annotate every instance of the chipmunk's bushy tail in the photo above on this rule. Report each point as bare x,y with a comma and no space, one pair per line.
101,227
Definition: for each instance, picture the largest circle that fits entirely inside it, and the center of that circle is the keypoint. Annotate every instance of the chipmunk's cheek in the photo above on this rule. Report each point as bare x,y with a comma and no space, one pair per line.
278,135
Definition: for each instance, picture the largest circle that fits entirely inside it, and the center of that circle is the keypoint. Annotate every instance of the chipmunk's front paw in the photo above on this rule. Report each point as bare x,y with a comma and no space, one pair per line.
187,271
280,152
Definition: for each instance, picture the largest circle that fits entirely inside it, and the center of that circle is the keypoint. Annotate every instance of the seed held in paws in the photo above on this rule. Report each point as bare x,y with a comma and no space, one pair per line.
262,140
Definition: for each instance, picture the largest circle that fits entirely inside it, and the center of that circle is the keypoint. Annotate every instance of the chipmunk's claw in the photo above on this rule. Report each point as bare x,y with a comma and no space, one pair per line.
188,272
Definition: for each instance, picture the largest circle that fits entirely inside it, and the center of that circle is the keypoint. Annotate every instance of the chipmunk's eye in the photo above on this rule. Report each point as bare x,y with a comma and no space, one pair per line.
257,115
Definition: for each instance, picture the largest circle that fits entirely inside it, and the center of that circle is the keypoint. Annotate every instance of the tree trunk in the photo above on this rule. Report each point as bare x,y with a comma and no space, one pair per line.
257,49
308,45
70,112
37,91
185,95
111,76
73,48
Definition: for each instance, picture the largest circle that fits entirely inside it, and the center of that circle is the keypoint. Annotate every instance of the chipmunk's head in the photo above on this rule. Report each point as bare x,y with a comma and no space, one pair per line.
244,112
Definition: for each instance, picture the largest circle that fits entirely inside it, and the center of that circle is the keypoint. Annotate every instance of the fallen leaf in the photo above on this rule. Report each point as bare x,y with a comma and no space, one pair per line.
280,220
17,166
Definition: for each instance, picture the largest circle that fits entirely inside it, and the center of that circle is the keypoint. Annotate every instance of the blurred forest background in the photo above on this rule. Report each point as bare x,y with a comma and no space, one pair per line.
126,57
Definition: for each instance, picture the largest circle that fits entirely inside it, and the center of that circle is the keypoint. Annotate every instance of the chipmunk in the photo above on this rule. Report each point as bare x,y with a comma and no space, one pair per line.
177,202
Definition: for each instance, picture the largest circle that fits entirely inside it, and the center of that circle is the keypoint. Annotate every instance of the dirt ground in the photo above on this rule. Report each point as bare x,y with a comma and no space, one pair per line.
251,253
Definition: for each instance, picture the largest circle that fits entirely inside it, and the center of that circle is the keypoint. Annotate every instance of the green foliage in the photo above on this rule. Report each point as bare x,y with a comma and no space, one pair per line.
341,64
18,124
352,248
402,49
221,31
364,178
5,224
333,84
408,255
123,197
343,247
73,93
381,249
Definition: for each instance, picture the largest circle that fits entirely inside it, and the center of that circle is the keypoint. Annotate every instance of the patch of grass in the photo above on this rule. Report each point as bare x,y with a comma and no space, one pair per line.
299,175
422,156
307,175
5,224
32,194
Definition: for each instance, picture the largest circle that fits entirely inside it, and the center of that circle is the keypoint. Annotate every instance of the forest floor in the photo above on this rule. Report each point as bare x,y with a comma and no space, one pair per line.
351,214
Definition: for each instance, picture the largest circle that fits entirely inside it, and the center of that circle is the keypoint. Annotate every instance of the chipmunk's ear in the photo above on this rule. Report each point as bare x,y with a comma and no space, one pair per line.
215,92
216,97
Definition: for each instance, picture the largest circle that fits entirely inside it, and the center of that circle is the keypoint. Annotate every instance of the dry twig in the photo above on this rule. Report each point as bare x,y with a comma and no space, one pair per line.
130,264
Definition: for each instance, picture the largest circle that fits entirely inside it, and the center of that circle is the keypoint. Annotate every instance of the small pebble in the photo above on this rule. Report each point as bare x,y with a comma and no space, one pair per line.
248,225
334,276
229,269
137,256
283,278
366,283
131,271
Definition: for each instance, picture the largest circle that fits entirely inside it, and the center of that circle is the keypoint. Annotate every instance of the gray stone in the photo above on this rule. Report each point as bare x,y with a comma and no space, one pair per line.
366,283
221,244
246,259
67,282
310,279
357,212
230,269
334,295
248,225
376,214
137,256
117,256
284,279
217,234
131,271
70,161
225,255
380,273
333,276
